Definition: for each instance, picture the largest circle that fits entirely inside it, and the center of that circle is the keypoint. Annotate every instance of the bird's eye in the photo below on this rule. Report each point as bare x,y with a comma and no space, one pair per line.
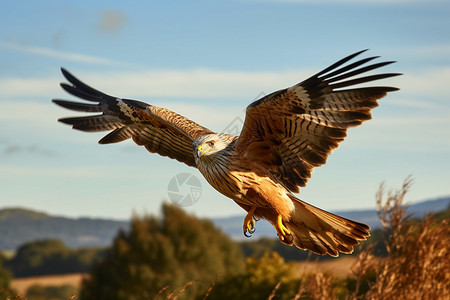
210,143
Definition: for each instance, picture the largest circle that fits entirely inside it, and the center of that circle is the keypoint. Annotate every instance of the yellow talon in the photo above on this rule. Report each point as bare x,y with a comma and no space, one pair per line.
283,233
249,223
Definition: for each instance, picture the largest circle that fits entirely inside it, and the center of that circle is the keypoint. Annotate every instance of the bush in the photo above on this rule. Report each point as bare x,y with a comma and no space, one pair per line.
418,259
49,257
262,277
39,292
177,254
5,278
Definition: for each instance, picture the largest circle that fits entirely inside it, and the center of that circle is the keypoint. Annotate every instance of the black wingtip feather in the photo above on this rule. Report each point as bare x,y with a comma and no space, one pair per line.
340,62
363,80
339,76
74,90
66,74
348,67
71,78
82,88
78,106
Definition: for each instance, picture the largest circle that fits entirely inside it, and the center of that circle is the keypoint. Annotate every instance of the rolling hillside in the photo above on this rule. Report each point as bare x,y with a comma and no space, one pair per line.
18,225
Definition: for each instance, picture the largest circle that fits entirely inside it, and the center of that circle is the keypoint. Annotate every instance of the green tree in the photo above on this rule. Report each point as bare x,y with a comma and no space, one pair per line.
38,258
51,256
163,256
39,292
5,278
263,277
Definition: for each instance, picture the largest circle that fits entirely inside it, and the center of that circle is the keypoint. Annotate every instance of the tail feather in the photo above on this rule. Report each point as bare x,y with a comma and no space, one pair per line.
323,232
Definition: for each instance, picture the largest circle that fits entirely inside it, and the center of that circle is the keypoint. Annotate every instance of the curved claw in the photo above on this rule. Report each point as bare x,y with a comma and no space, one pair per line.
249,223
284,234
249,229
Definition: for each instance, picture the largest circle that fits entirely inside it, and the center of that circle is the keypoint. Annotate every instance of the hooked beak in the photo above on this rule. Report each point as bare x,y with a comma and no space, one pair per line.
201,151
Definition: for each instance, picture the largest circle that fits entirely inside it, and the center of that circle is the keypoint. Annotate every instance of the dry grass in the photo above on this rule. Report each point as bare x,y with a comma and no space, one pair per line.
339,267
21,285
417,265
418,261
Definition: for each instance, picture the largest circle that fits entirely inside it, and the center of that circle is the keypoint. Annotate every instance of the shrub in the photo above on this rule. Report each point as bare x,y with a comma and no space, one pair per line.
39,292
5,278
175,255
262,277
418,258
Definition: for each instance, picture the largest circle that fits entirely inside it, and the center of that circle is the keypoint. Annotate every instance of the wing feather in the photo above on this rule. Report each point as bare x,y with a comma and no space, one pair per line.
159,130
291,131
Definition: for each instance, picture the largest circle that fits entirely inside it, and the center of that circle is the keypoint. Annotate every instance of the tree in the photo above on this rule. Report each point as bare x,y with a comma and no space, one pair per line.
263,277
38,258
5,278
161,256
40,292
51,256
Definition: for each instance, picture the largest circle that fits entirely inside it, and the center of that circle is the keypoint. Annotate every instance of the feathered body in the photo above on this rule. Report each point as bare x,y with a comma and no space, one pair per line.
285,135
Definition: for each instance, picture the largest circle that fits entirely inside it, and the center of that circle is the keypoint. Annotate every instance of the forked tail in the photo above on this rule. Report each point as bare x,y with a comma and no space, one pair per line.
323,232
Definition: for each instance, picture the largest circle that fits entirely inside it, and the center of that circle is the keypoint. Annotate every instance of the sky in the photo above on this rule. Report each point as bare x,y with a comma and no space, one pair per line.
207,60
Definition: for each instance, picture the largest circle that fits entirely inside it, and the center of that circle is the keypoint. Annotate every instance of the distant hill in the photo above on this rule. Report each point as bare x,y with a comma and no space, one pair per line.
18,225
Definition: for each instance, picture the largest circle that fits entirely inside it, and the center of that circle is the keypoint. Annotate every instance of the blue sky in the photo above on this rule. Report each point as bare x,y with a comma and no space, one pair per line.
208,60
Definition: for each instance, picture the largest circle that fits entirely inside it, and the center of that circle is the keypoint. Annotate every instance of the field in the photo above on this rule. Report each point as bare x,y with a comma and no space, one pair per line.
339,267
22,284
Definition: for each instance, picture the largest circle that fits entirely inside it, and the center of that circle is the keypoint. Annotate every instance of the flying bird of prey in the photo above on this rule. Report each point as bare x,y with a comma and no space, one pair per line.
285,135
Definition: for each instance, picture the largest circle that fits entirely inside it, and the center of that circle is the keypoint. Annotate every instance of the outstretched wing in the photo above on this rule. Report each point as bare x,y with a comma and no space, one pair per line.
158,129
291,131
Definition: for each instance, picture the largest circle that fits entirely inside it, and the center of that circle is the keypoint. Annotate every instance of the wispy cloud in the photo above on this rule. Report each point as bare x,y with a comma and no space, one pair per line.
412,103
14,87
17,149
426,83
71,56
81,172
210,84
29,112
193,83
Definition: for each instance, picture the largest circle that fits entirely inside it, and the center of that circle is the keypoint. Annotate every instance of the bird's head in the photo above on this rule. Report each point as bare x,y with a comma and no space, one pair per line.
208,145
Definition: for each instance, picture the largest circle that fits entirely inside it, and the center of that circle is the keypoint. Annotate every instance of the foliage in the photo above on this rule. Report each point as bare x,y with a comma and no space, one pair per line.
5,278
46,257
418,260
259,280
257,248
39,292
175,254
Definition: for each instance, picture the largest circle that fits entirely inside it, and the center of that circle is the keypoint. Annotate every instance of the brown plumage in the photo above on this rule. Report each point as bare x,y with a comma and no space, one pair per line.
285,135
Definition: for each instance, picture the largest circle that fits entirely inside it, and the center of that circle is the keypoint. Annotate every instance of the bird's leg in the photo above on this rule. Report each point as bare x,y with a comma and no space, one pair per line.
283,233
249,222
